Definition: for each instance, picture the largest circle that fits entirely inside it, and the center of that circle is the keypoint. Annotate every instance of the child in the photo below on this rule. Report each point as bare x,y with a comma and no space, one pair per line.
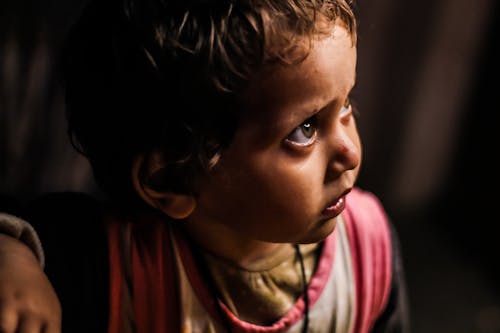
224,135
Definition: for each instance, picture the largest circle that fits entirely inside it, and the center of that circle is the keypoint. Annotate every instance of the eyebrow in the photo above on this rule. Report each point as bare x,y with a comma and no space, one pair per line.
306,113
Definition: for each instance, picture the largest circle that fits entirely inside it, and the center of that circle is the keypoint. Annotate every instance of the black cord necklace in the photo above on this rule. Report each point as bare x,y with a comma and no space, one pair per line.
305,286
204,270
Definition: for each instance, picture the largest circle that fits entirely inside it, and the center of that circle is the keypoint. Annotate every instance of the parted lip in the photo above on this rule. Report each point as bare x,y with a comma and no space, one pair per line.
337,205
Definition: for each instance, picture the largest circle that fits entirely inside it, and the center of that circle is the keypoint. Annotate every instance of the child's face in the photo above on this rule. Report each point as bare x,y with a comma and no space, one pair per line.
295,155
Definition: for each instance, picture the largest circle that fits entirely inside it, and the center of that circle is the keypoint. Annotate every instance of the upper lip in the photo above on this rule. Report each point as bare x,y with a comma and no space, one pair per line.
346,192
334,201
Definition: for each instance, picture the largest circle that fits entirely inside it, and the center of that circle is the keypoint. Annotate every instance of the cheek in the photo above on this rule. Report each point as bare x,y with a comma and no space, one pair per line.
291,185
268,197
269,187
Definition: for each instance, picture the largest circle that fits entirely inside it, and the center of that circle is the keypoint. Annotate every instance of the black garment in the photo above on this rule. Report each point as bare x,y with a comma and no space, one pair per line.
395,318
71,228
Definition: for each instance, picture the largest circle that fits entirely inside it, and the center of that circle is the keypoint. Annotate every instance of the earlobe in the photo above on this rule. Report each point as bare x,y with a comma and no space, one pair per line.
175,205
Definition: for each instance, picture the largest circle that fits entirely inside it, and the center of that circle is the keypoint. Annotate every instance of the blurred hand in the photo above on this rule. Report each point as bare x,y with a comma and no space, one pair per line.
28,303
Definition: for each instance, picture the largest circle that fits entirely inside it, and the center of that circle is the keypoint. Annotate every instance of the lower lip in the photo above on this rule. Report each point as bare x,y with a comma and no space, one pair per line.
335,209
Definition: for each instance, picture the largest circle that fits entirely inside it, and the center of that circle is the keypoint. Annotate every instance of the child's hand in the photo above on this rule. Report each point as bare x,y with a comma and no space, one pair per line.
28,303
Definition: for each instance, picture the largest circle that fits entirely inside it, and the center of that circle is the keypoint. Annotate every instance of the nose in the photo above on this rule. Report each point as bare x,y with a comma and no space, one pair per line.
344,151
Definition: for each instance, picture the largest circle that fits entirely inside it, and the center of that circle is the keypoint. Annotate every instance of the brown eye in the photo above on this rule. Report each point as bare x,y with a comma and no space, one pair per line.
303,135
307,129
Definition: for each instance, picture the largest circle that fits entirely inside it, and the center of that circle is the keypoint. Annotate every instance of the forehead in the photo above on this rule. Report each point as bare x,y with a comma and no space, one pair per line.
287,91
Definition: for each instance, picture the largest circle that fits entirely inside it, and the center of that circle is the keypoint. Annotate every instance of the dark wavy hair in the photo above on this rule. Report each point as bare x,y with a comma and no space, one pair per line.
164,76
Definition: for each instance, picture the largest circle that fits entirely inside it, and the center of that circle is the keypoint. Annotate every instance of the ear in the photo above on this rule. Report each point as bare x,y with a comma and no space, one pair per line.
175,205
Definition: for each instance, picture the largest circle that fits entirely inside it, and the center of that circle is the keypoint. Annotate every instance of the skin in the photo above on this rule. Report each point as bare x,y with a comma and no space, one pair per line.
28,303
296,153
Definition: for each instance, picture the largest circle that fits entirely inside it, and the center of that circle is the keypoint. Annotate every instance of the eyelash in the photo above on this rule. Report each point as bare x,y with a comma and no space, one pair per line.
312,123
309,124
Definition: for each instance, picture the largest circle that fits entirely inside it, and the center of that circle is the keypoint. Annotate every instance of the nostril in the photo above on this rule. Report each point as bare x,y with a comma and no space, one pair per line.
347,157
352,157
344,152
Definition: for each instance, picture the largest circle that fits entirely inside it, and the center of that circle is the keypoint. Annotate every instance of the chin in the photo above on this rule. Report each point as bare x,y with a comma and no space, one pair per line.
322,231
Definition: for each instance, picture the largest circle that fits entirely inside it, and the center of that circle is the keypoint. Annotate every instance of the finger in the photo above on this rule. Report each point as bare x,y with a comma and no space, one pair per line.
8,320
52,328
27,324
52,324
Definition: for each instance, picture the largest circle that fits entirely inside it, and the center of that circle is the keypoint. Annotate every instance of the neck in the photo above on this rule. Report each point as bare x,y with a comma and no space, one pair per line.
222,242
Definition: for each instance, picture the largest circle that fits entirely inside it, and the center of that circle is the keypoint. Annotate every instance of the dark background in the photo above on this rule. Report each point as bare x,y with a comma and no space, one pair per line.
427,74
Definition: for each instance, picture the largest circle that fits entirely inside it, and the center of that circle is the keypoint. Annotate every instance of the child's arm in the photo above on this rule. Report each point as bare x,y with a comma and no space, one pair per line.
28,302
